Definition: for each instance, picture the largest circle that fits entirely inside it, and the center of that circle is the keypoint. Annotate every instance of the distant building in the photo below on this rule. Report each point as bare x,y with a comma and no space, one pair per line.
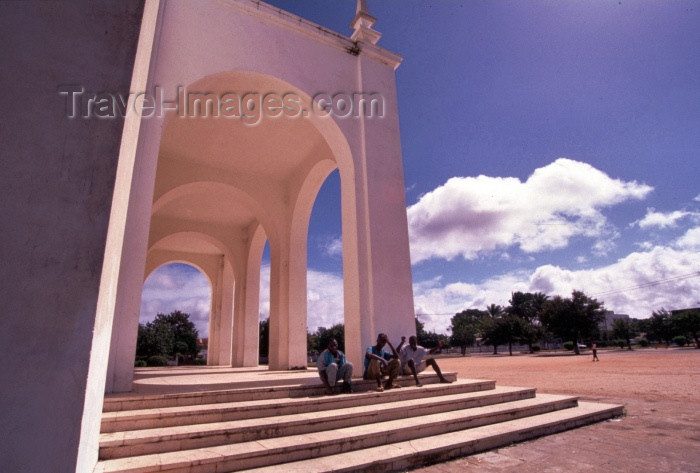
202,344
678,311
606,325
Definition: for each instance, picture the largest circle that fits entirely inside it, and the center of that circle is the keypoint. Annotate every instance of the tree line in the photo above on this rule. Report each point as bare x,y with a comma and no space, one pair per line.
533,319
529,318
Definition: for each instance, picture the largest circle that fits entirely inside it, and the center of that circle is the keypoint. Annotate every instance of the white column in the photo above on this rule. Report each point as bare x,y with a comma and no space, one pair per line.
215,317
226,314
287,304
129,286
376,258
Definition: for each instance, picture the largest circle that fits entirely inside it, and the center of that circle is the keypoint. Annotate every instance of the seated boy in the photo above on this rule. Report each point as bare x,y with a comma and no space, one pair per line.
332,367
379,363
413,359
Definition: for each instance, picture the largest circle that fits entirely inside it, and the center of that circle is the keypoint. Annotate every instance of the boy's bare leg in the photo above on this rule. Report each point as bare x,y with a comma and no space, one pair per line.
412,366
374,371
393,372
433,363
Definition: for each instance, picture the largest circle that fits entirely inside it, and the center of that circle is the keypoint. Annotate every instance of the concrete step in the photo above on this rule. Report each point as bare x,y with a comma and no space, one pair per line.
229,411
348,410
322,442
310,386
400,456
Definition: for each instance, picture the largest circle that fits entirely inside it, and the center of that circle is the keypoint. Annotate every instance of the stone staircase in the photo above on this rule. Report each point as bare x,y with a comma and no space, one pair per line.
294,427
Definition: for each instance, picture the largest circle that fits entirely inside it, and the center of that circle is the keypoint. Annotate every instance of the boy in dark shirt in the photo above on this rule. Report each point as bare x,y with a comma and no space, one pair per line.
380,363
332,367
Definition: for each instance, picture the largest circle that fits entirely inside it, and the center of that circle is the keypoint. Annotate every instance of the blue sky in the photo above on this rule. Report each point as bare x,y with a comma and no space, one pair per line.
547,146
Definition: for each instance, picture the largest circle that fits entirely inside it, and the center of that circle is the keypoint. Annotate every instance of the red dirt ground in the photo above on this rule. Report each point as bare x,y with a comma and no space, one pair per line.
660,433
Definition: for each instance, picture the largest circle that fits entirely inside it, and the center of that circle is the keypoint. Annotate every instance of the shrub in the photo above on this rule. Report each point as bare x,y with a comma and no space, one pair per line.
680,340
569,345
536,348
139,363
157,361
181,347
200,361
643,342
620,343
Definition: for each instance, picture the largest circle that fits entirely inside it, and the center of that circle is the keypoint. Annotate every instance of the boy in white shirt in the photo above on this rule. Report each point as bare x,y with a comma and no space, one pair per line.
413,359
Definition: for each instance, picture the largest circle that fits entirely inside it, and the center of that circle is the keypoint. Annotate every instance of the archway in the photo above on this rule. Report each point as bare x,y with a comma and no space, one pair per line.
243,178
178,286
325,261
276,165
239,185
178,158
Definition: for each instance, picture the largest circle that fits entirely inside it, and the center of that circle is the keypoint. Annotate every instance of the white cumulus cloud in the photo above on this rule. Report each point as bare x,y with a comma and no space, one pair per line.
435,303
177,287
324,297
661,219
334,247
638,284
471,216
690,240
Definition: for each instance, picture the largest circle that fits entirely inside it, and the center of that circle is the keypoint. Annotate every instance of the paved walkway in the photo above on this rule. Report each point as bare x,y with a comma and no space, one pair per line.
181,379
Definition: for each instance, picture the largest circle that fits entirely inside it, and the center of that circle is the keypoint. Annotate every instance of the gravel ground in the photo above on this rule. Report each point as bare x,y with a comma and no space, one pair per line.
660,433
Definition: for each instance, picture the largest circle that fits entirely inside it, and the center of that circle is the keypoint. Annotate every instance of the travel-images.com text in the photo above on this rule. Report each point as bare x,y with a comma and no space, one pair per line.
250,107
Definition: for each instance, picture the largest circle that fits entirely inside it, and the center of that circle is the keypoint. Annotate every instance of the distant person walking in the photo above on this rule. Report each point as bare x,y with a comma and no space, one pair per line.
594,349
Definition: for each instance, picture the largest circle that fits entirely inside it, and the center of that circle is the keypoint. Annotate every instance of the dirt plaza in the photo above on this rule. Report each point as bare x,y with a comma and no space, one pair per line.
660,389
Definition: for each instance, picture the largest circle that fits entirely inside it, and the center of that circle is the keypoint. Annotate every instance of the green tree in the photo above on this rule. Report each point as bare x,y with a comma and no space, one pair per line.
539,299
154,339
311,343
324,335
420,329
687,323
167,335
640,326
432,339
502,330
184,332
574,318
495,310
429,338
660,328
264,338
464,328
527,307
522,305
622,329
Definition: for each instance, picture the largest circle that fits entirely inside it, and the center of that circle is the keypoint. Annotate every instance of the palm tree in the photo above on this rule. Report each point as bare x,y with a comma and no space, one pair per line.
495,310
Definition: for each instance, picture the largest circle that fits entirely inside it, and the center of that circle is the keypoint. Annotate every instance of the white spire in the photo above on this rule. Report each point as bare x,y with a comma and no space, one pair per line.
362,7
362,24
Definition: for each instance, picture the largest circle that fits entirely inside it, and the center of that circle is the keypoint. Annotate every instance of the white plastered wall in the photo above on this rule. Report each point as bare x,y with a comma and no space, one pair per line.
214,46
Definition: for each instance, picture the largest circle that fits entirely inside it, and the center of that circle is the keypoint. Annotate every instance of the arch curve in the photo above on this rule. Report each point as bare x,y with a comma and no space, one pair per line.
160,254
